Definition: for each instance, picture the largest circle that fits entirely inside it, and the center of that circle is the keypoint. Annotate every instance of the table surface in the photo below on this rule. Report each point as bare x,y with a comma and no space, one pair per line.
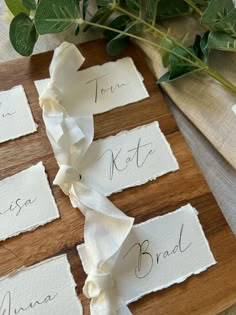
207,293
220,176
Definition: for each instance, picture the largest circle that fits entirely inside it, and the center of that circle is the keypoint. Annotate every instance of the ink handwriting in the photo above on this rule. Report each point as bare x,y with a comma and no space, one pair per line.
6,305
146,259
120,161
99,90
17,206
6,114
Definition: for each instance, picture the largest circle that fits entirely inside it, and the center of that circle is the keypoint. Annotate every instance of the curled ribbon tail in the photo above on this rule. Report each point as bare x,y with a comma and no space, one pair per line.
106,227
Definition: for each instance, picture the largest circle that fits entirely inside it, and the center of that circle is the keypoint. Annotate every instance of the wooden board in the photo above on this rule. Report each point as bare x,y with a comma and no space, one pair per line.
208,293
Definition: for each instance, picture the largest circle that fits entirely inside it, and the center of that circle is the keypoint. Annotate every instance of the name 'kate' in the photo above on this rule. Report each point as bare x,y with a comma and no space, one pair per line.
120,161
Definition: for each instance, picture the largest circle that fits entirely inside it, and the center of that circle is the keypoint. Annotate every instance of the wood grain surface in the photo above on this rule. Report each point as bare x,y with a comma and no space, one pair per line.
208,293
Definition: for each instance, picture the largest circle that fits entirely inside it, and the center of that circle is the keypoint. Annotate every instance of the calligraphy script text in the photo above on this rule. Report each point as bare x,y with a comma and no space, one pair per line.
101,90
6,307
138,155
17,206
146,260
6,114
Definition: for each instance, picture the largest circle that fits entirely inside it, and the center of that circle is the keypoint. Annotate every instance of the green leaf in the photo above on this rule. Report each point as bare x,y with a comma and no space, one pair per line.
134,28
77,2
179,67
85,7
16,7
201,2
204,46
55,16
221,41
133,4
221,16
200,46
119,23
100,17
168,9
77,30
30,4
196,45
166,43
216,11
151,11
117,45
104,3
23,35
227,24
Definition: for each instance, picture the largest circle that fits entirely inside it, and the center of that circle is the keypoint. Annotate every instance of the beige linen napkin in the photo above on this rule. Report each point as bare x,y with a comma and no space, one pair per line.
203,100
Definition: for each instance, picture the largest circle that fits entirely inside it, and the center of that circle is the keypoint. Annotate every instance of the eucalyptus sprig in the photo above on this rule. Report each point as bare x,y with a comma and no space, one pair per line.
124,19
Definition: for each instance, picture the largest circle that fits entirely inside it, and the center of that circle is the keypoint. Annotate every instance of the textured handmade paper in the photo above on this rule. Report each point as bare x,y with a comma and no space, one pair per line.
101,88
158,253
15,116
47,288
26,202
128,159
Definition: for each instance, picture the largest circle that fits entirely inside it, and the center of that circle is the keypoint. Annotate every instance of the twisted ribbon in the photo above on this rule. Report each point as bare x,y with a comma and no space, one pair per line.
106,227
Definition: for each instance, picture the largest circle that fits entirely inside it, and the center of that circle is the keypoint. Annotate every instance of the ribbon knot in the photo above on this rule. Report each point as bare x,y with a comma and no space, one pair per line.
51,99
66,177
95,284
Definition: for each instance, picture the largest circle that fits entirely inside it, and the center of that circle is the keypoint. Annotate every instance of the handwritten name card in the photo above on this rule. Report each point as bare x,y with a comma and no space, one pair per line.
158,253
26,202
15,116
128,159
43,289
101,88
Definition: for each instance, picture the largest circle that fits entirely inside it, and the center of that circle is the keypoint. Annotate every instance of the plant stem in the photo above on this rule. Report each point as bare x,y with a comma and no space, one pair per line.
105,27
199,12
154,14
196,62
220,78
216,75
157,32
193,5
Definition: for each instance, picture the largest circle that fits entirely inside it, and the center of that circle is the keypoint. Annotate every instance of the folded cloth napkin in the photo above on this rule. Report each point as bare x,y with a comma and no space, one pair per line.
202,99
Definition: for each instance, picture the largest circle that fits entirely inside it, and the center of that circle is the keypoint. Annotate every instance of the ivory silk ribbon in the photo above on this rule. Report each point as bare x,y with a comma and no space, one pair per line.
106,227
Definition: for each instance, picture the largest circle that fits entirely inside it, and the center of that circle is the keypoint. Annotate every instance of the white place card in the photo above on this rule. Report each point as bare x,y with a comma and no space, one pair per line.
158,253
101,88
15,116
128,159
44,289
26,202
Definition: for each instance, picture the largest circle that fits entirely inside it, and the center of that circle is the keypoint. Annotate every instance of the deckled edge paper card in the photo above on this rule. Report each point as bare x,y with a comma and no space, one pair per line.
44,289
101,88
15,115
128,159
158,253
26,202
